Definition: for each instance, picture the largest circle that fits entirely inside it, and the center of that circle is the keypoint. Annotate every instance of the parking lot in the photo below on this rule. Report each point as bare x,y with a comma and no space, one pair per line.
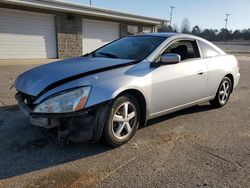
196,147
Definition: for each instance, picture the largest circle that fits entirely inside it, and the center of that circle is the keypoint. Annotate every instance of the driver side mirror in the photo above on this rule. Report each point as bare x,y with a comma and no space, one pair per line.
167,59
170,58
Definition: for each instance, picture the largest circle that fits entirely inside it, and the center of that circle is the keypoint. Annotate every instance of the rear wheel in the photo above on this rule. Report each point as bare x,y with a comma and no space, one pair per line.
122,121
223,93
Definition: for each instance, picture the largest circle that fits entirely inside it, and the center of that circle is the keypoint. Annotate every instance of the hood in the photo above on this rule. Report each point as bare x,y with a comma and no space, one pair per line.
44,77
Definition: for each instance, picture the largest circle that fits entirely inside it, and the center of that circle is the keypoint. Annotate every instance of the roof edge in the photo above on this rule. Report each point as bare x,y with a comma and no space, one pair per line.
85,10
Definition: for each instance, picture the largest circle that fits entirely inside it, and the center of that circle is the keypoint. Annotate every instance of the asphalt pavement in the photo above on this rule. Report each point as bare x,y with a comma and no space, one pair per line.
196,147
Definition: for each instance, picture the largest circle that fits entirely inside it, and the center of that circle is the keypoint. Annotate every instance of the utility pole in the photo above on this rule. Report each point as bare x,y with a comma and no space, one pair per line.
90,2
171,14
226,20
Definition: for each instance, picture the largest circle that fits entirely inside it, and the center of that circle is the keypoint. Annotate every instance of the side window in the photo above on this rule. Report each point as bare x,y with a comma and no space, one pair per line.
207,50
187,49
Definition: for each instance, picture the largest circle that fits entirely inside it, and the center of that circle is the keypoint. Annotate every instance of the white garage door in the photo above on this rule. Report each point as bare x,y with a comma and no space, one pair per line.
26,35
98,33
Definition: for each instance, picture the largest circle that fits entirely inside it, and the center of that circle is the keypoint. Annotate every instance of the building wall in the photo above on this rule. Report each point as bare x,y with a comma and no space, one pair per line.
123,30
69,29
69,35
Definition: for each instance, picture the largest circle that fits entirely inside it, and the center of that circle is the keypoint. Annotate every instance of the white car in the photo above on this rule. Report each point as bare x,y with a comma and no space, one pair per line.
111,91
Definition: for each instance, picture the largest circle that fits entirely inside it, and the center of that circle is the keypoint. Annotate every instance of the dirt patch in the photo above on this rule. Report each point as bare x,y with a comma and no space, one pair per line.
245,135
200,137
244,87
63,179
85,181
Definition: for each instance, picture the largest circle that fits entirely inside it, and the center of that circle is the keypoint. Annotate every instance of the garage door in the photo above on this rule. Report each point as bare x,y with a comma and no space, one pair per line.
26,35
98,33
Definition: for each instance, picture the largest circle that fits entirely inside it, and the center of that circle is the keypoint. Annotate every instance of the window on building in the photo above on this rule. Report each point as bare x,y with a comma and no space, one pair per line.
132,29
146,29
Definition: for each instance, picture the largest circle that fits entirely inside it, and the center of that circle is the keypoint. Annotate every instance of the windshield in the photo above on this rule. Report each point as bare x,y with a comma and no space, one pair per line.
136,48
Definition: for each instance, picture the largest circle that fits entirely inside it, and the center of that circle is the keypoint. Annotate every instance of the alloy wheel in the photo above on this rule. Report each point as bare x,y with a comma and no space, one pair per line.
124,120
224,92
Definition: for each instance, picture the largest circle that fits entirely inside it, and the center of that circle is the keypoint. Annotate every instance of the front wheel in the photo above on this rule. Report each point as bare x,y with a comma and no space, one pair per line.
123,120
223,93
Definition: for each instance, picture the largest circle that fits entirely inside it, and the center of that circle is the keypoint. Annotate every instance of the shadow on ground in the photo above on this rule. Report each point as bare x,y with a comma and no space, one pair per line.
25,148
191,110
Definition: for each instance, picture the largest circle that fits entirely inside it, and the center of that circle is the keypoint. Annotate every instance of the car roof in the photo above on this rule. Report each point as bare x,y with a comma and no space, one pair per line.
178,36
167,35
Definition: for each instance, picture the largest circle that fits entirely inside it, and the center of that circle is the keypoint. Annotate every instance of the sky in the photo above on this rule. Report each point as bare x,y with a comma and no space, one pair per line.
205,13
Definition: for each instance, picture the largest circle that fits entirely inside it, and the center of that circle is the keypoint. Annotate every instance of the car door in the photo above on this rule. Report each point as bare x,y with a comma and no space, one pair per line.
174,85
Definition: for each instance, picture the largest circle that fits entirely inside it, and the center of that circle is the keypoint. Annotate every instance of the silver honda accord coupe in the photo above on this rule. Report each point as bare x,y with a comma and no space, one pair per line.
109,93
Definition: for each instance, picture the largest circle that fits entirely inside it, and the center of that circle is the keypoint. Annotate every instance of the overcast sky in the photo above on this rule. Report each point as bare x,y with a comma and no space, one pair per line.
205,13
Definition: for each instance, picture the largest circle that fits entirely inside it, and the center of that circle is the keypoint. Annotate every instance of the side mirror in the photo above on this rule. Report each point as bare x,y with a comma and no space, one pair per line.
166,59
170,58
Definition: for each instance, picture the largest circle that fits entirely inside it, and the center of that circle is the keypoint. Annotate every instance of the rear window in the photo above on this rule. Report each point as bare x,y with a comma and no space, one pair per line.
207,50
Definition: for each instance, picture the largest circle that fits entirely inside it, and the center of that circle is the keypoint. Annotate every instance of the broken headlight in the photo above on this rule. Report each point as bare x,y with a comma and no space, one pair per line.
69,101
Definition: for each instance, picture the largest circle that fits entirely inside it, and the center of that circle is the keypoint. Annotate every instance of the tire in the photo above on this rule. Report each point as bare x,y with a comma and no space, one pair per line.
223,93
120,127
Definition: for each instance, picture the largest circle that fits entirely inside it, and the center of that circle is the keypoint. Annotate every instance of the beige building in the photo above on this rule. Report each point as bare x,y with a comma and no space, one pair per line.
56,29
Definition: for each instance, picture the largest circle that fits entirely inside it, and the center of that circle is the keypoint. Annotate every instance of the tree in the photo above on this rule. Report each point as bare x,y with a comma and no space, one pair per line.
246,34
162,28
175,28
169,28
185,26
209,34
196,30
220,35
224,34
165,28
237,34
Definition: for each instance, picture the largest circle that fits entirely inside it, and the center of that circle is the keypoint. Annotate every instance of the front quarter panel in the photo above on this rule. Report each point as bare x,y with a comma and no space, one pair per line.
110,84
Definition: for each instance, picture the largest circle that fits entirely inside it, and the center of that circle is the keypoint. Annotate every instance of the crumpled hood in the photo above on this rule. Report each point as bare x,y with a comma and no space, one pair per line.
34,81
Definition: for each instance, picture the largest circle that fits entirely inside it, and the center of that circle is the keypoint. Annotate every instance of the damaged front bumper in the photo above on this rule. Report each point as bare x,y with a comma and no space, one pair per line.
84,125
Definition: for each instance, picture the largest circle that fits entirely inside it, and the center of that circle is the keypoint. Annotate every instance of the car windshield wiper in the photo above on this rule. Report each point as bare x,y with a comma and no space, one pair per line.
108,54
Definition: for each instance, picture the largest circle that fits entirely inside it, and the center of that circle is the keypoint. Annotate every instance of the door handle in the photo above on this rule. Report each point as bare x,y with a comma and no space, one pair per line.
200,72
